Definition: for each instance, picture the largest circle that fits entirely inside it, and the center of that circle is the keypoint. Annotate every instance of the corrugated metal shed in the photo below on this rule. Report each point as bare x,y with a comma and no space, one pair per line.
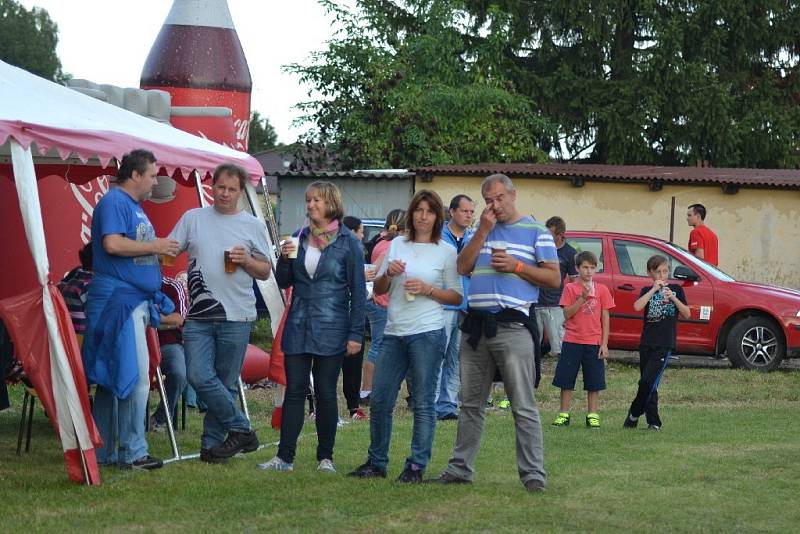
761,178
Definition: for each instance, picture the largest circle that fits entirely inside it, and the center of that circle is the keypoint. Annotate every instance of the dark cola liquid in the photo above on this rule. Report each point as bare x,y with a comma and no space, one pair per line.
199,57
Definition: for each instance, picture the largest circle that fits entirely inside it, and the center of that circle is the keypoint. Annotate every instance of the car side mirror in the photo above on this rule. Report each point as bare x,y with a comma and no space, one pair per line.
685,273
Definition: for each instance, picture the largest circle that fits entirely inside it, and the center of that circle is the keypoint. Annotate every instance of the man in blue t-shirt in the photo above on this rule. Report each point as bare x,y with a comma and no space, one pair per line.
509,256
127,276
456,232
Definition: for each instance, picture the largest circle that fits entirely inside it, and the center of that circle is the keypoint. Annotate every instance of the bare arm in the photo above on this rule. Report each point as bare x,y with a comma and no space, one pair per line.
700,253
468,256
173,320
255,267
384,281
119,245
573,308
605,321
683,309
258,269
642,301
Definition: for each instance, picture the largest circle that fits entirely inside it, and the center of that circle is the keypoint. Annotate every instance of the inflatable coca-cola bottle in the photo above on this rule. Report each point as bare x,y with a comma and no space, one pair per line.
198,59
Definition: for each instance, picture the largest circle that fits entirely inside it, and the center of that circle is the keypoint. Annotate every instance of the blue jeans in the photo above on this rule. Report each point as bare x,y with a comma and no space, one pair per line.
419,355
448,382
123,419
377,324
214,357
326,371
173,365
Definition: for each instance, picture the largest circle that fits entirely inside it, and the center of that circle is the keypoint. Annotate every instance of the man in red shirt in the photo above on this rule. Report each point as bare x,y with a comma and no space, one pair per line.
702,241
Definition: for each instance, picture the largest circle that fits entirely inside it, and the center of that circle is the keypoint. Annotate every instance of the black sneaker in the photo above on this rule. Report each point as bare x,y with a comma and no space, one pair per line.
235,443
654,427
534,485
447,478
146,463
368,470
207,457
630,423
410,476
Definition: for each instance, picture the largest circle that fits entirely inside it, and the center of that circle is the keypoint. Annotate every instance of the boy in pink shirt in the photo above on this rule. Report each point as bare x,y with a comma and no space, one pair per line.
585,345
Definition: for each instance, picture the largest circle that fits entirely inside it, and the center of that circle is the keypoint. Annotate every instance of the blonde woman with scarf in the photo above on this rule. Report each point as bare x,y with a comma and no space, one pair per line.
325,323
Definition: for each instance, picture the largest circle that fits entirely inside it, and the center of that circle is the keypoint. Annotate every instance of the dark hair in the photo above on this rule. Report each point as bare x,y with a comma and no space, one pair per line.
395,223
700,210
656,261
435,203
135,160
586,256
85,254
231,169
456,201
556,223
351,222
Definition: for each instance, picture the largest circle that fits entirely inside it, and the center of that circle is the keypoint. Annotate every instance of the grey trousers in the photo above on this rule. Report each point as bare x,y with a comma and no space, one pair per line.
512,351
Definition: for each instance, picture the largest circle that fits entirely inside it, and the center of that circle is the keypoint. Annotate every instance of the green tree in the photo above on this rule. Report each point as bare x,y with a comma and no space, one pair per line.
28,40
387,98
658,81
262,135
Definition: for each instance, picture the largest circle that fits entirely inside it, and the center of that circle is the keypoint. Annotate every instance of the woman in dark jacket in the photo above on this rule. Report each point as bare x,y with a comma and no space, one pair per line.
325,321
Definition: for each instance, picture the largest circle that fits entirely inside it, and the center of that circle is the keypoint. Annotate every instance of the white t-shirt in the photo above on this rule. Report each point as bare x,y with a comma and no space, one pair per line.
434,264
313,254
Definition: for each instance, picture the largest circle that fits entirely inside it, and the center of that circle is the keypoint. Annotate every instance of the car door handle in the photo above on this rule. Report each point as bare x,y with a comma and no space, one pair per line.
626,287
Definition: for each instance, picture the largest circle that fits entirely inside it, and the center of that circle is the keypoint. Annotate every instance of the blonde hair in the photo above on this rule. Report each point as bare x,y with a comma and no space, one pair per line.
395,223
334,207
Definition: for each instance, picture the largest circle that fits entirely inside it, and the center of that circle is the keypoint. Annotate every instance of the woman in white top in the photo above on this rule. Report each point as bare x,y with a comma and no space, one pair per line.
419,274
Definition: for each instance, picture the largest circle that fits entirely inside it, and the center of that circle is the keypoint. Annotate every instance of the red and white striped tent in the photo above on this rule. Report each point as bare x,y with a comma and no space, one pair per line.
45,125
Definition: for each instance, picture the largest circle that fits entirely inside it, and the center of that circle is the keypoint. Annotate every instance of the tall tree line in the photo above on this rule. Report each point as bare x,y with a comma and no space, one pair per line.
667,82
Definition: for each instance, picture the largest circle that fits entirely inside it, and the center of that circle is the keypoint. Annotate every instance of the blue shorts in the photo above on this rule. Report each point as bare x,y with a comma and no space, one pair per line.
573,357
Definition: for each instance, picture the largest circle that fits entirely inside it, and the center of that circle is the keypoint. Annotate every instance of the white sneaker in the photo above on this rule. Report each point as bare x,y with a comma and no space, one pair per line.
326,466
276,464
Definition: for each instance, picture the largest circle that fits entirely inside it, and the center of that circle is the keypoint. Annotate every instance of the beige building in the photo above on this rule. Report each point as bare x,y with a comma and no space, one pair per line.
755,212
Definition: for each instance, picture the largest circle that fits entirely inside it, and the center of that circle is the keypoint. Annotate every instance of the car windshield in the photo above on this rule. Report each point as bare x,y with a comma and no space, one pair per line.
707,267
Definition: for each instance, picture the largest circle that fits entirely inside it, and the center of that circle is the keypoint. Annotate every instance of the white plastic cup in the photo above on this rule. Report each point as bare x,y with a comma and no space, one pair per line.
410,296
296,241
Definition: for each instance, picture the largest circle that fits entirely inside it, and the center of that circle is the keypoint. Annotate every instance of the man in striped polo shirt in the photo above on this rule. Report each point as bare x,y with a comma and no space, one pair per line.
509,257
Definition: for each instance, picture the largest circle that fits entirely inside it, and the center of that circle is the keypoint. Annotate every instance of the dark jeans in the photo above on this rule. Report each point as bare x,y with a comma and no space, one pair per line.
651,362
351,379
326,374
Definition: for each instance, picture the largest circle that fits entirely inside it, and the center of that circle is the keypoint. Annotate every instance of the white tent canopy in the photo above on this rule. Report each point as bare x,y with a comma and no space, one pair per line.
50,116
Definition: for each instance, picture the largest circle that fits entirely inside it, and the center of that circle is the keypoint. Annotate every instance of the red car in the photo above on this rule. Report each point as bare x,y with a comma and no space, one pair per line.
754,325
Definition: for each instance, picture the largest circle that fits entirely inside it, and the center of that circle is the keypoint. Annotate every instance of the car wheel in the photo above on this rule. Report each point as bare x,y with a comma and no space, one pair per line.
755,343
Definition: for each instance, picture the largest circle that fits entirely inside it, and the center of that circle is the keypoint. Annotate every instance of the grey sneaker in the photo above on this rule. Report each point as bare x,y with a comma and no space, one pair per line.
326,466
276,464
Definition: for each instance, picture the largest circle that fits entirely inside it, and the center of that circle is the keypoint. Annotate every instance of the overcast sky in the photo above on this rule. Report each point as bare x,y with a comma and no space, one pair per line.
107,41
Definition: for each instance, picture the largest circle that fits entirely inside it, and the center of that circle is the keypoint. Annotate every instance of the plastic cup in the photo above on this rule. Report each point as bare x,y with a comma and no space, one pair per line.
230,267
167,260
498,247
293,254
410,297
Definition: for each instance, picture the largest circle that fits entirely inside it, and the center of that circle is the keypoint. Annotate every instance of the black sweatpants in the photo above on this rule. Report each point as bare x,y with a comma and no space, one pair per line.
651,361
351,379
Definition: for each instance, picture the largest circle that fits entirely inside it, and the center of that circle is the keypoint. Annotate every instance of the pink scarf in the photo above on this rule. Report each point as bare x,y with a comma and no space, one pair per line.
321,237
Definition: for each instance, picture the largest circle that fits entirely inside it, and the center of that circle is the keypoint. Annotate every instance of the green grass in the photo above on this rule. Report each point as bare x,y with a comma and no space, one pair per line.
726,460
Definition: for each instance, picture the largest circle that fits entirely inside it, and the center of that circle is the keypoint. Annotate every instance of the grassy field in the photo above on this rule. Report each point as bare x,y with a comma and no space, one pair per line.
726,460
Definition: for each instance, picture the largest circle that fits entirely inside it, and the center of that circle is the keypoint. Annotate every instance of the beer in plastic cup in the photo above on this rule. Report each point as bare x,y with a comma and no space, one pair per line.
498,246
167,260
410,296
230,267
